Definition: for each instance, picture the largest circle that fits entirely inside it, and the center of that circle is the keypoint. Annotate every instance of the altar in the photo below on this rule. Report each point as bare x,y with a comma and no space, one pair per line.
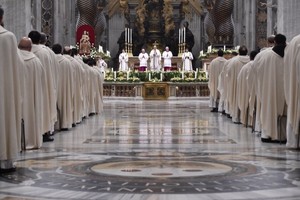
155,90
134,63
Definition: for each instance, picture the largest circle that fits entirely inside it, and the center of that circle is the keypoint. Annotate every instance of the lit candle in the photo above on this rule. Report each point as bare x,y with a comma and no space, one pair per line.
149,76
196,73
161,76
115,75
182,75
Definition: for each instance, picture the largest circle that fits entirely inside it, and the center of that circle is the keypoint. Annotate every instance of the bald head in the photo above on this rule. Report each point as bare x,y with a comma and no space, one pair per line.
25,44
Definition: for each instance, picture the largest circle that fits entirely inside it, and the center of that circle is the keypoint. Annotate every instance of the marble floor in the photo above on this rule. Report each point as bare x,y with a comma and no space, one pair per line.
154,150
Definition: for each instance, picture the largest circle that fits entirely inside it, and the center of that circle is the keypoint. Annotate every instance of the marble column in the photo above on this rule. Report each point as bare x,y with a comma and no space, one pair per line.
288,18
17,16
64,22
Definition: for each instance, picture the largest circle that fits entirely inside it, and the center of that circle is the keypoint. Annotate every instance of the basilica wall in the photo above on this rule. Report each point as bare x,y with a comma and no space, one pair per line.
288,18
17,16
253,21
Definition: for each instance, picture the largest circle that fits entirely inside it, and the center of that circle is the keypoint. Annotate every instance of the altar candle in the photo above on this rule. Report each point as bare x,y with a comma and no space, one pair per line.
128,34
179,35
182,75
149,76
131,36
196,72
161,76
184,34
115,75
125,35
224,48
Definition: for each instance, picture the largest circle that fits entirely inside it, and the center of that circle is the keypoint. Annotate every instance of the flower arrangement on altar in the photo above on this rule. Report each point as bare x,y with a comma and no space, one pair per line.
155,76
214,51
96,53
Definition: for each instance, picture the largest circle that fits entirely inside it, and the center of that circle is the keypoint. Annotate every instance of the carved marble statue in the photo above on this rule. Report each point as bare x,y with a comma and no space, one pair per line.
84,44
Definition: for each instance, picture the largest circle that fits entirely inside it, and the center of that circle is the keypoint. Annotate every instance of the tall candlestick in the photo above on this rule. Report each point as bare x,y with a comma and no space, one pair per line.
125,35
128,34
184,34
179,35
131,36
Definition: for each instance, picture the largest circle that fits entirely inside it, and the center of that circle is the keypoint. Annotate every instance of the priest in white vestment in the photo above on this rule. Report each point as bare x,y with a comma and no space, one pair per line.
123,61
143,58
244,92
270,92
85,82
214,70
167,56
99,79
50,113
292,91
254,103
222,87
32,105
102,64
234,67
187,58
77,82
11,66
65,90
155,59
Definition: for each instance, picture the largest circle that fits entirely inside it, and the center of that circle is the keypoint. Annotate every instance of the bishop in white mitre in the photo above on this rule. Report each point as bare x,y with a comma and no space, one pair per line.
214,70
292,90
155,59
187,58
123,61
32,88
234,67
270,92
11,66
167,56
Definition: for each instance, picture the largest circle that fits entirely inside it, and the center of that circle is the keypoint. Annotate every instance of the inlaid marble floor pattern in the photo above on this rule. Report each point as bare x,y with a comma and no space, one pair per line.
154,150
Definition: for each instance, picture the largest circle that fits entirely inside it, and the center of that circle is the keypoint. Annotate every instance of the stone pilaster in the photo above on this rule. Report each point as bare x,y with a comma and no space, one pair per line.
288,18
17,16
